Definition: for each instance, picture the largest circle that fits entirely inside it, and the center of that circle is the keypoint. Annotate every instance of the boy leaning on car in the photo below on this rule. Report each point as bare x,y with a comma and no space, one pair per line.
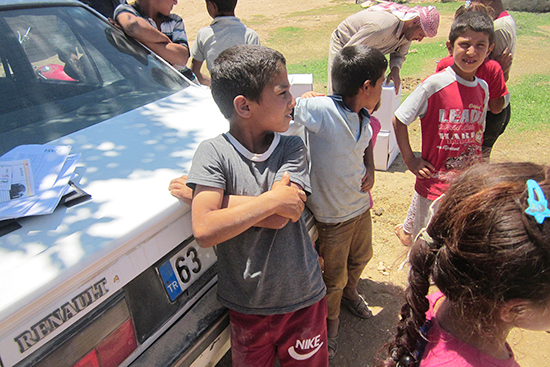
152,23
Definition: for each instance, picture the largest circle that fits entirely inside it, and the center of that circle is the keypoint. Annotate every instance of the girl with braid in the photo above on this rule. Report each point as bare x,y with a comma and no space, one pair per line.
487,250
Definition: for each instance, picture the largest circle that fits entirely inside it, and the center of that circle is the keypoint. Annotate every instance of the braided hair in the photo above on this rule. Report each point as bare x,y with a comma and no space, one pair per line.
481,250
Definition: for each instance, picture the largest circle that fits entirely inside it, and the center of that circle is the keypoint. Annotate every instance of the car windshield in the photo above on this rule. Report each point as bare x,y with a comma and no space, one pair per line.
64,69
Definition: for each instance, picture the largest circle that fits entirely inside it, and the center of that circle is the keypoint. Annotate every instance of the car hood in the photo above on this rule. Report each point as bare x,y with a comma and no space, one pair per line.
126,165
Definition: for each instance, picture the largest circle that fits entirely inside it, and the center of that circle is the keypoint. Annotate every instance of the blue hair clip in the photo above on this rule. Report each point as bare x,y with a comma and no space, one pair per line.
467,4
538,205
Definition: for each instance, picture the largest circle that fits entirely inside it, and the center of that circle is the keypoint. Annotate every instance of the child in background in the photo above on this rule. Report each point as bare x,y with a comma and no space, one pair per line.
503,52
249,188
491,72
451,105
487,249
338,136
152,23
225,31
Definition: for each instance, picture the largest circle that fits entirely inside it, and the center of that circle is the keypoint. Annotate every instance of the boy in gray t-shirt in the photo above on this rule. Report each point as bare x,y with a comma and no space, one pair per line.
250,189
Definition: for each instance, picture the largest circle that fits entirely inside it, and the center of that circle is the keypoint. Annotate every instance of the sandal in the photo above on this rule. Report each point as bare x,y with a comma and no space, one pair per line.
332,347
404,236
358,308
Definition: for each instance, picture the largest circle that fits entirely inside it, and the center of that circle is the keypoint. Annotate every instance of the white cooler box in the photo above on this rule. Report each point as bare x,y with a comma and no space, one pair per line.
300,83
386,149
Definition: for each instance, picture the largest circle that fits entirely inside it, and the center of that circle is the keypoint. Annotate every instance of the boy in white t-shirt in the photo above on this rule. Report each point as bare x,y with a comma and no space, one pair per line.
339,136
225,31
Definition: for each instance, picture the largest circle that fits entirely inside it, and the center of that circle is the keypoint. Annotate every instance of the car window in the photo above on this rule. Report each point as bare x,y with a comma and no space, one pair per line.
64,69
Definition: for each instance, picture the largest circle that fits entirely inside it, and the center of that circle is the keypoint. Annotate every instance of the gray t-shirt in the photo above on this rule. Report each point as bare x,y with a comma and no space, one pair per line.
261,271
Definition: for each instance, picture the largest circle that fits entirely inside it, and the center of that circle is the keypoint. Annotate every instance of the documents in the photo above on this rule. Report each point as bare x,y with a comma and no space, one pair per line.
33,178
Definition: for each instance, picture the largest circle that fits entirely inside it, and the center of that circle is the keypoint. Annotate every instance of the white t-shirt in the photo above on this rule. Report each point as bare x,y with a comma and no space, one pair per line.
223,33
336,139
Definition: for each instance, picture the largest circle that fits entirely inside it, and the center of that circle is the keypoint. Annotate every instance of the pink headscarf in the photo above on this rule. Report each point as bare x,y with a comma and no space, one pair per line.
429,16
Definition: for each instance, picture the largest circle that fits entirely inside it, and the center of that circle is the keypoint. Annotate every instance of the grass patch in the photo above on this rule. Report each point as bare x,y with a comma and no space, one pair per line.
422,58
289,34
255,20
532,25
316,67
529,103
341,7
442,8
312,41
306,51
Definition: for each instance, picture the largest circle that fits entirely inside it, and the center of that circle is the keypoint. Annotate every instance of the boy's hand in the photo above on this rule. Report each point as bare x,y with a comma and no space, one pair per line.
115,23
394,76
367,182
290,199
420,167
180,190
311,94
505,60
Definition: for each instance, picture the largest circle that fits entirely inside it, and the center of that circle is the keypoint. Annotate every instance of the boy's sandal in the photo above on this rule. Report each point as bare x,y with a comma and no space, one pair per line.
359,308
404,237
332,346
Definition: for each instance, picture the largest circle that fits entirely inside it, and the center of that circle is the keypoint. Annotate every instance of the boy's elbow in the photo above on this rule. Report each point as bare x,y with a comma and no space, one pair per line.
397,124
129,24
203,242
203,238
496,105
280,223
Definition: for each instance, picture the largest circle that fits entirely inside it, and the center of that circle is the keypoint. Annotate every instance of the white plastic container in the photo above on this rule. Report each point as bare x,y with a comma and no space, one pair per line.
300,83
386,148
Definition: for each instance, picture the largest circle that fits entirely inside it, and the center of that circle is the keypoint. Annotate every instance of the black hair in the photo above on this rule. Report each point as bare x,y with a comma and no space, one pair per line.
481,249
475,21
225,6
243,70
353,66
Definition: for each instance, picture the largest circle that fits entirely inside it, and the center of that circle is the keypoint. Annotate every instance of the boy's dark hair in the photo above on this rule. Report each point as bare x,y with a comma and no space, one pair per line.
353,66
475,21
225,6
473,7
481,250
243,70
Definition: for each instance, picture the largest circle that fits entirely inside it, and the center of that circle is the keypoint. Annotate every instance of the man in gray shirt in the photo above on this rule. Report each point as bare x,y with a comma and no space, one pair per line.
388,27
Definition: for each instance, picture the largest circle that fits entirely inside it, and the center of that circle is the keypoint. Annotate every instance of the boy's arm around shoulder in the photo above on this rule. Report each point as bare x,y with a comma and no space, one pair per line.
213,224
309,108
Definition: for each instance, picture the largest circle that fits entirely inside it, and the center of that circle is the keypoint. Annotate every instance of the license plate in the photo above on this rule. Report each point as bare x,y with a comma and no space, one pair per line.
186,266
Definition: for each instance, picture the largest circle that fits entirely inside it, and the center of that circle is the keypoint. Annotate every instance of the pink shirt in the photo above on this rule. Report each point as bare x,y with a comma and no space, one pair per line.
376,127
443,349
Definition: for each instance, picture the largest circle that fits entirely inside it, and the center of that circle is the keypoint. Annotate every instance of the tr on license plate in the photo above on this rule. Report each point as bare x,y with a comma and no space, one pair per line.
186,266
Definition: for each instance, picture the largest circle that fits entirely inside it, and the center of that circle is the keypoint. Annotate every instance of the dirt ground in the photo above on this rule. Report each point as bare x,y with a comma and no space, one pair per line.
385,276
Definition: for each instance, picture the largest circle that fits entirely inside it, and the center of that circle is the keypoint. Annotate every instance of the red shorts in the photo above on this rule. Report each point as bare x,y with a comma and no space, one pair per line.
298,338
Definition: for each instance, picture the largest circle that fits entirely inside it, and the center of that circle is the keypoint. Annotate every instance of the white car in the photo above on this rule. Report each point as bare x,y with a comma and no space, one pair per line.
116,280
